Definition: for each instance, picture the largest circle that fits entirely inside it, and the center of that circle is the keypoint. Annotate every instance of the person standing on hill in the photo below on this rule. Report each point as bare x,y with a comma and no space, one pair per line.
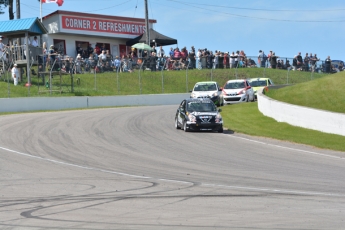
192,59
209,60
103,57
177,54
98,50
79,50
313,61
273,61
328,64
294,63
161,52
262,58
269,56
299,61
153,61
171,53
184,54
89,50
117,64
226,60
52,56
232,58
15,74
306,62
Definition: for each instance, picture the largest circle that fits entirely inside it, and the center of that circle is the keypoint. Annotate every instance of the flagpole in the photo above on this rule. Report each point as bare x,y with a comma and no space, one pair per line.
41,9
147,24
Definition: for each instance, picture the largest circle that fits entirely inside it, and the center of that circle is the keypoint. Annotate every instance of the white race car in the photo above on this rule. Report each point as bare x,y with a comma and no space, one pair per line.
208,89
237,91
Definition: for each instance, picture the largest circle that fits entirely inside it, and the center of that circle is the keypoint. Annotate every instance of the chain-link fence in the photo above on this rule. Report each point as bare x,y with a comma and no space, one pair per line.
64,75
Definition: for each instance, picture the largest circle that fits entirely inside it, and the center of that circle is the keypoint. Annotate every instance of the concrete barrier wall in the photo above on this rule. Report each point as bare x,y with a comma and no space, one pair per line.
153,99
320,120
41,103
61,103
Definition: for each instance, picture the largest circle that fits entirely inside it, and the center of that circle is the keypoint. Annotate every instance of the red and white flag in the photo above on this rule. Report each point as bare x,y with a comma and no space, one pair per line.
59,2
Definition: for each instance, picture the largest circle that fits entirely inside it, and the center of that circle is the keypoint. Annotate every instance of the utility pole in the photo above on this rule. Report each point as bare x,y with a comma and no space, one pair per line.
10,10
18,9
18,17
147,24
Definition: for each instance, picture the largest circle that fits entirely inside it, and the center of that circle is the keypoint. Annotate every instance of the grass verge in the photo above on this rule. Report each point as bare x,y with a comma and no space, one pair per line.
147,82
246,118
325,93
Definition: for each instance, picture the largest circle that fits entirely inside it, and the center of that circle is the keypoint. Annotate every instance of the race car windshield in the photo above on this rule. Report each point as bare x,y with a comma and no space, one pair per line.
201,107
205,87
258,83
234,85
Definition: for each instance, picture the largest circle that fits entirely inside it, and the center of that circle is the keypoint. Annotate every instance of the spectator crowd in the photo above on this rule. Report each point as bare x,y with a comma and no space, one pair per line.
99,59
156,59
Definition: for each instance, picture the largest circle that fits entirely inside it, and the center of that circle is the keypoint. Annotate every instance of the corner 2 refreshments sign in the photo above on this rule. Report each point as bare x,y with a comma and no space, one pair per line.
100,25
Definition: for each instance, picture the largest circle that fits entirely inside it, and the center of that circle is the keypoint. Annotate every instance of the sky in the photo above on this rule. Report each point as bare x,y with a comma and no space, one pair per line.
285,27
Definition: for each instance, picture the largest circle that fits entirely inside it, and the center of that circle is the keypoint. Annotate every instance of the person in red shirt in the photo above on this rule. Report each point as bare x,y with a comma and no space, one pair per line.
98,50
184,53
226,60
177,54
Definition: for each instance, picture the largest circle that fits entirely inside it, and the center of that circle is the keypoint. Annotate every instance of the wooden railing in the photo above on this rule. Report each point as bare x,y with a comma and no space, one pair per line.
17,54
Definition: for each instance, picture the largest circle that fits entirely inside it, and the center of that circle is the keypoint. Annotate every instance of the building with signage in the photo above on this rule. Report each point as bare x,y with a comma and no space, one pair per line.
67,29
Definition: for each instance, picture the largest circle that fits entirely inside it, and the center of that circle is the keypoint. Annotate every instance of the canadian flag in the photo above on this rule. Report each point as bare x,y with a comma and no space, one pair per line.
59,2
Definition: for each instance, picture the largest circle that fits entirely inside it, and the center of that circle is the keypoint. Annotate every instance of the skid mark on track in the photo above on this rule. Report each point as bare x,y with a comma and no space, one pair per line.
271,190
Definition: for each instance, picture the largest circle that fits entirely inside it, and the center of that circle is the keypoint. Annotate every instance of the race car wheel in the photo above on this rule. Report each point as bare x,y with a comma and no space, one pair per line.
247,99
185,127
220,130
176,124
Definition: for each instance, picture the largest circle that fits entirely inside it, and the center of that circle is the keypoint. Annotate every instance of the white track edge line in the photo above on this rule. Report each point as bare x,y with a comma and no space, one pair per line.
289,148
168,180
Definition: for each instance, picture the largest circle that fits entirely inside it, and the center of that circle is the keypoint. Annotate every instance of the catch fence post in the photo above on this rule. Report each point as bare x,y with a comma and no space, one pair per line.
96,77
117,81
187,77
162,72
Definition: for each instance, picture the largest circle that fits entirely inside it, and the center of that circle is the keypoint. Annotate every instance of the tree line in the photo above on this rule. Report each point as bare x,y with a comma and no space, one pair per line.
9,4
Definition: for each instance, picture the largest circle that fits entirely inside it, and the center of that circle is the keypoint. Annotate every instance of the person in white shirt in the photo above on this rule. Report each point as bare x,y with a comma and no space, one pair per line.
34,42
103,56
15,74
161,52
198,55
232,60
78,63
160,60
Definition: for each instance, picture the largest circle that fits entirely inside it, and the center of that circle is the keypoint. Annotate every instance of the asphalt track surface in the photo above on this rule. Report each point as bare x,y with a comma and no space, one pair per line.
129,168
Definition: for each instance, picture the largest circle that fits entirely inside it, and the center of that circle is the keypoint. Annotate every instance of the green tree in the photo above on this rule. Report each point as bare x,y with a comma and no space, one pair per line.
3,4
9,4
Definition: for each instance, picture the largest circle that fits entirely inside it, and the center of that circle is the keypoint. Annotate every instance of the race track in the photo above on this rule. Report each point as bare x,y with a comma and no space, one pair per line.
129,168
